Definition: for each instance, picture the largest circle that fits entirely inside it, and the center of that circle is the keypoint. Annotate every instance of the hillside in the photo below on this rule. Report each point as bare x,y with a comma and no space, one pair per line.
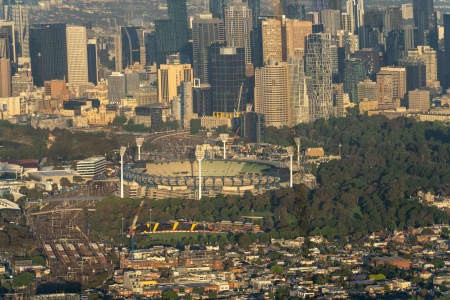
385,163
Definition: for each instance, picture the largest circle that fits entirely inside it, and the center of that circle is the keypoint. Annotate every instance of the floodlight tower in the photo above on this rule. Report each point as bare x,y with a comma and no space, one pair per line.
200,155
297,142
224,138
122,153
290,151
139,143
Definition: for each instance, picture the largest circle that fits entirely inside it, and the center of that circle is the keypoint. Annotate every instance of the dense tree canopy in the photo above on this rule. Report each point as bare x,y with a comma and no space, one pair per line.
385,162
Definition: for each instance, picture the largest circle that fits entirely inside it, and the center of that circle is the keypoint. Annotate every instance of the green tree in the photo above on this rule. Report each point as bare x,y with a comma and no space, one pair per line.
23,279
169,295
276,269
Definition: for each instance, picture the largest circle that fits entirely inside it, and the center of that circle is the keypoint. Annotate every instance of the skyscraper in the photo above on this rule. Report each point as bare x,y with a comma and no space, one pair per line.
415,73
331,20
355,72
446,72
217,7
319,72
165,40
117,87
293,9
423,11
92,61
255,6
19,14
77,60
399,80
205,32
355,11
131,46
272,40
298,94
5,78
272,93
393,19
238,26
428,55
170,78
48,51
178,15
296,32
395,47
7,40
226,77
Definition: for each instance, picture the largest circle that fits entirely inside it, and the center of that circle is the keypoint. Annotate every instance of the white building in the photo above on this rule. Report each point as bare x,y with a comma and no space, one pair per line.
91,167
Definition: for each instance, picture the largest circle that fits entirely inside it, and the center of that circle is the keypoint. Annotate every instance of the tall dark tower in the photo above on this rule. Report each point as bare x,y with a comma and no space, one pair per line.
424,19
48,51
255,6
216,8
92,61
446,72
226,76
178,15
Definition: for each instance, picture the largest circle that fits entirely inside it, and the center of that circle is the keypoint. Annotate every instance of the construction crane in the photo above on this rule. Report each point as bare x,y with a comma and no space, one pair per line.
238,106
132,231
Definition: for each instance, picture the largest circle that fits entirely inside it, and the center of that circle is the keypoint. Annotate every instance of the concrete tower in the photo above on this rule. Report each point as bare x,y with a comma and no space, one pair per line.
77,61
238,26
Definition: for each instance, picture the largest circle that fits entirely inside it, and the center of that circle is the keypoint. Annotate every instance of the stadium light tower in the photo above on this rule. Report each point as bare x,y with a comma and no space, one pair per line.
297,142
122,153
290,151
139,143
224,138
200,155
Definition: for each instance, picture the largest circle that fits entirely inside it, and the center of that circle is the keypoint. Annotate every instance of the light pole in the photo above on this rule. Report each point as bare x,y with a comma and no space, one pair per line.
290,151
297,142
200,155
122,153
224,138
139,143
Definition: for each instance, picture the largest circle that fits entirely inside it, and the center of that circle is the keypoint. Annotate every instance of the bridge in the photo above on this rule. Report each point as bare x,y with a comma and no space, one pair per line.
61,210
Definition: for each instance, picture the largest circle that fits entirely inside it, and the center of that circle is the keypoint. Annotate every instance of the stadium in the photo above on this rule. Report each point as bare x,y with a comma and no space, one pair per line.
159,180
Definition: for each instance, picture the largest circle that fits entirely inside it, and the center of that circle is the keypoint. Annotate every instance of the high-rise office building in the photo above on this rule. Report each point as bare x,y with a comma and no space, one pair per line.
92,61
5,78
165,40
272,40
419,100
355,72
255,6
77,60
371,58
238,27
331,20
205,32
117,88
355,11
298,93
178,15
48,52
367,89
408,31
338,100
399,80
415,73
296,32
170,78
131,46
272,93
7,40
428,55
446,71
226,77
292,9
407,11
217,8
423,11
19,14
385,87
335,4
393,19
319,72
395,47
